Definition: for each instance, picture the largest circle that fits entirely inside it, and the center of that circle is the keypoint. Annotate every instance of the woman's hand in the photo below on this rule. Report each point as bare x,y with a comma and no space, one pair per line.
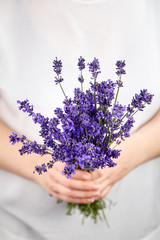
140,147
107,177
80,188
128,160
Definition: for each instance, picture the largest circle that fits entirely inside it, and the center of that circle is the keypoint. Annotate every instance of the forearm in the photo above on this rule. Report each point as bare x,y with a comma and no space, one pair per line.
10,159
144,144
76,190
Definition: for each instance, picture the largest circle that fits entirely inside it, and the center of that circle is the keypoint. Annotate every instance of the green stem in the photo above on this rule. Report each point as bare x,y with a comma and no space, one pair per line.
104,216
82,87
117,91
115,118
127,120
130,116
106,110
117,95
81,83
123,117
109,133
42,145
133,114
89,137
62,89
95,94
104,114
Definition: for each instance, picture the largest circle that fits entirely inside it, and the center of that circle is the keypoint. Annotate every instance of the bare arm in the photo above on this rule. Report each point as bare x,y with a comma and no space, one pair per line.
10,159
79,189
142,146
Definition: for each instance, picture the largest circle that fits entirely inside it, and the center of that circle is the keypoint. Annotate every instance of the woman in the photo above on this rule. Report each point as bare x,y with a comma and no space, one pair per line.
32,34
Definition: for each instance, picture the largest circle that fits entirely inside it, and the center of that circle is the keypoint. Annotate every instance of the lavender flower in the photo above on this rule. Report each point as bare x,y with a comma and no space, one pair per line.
25,106
81,63
81,79
37,118
94,68
40,169
57,66
120,65
82,134
69,170
146,97
14,138
81,66
139,100
58,80
86,130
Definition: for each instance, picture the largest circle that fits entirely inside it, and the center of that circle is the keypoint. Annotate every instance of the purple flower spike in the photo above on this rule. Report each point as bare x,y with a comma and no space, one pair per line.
25,106
40,169
81,79
81,63
146,97
57,66
58,80
120,65
139,100
94,67
81,133
14,138
69,170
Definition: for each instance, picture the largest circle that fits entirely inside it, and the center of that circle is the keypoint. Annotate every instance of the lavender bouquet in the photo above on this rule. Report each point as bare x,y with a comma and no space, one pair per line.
82,134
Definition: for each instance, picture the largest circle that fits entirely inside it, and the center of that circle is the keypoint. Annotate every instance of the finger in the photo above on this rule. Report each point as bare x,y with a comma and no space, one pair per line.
96,174
73,193
74,183
103,174
106,183
102,177
81,175
104,193
80,185
72,200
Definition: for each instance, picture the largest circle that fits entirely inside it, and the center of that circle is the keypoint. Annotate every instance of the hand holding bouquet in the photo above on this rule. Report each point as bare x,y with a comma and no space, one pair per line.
84,134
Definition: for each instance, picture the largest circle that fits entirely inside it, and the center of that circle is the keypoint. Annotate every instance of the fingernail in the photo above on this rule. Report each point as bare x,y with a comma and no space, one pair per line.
90,200
96,187
86,177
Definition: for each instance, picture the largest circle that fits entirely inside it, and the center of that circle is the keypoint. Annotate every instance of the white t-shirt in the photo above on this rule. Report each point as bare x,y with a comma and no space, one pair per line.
32,34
